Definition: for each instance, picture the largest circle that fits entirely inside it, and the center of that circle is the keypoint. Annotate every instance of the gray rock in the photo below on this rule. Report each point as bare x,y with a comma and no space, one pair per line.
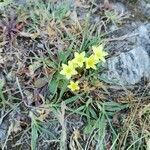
120,8
144,7
129,67
3,131
21,2
131,62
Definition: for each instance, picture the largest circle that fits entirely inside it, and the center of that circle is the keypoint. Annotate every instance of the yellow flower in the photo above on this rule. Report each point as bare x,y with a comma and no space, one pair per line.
73,63
68,71
91,62
99,53
74,85
79,59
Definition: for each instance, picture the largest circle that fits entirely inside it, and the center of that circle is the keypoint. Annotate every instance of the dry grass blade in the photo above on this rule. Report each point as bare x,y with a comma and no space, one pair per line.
74,140
61,118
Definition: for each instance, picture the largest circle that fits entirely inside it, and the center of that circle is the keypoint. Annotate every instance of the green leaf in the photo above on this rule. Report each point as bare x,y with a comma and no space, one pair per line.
34,136
101,132
53,85
79,111
2,83
106,80
113,107
72,99
51,64
63,87
93,113
88,129
63,55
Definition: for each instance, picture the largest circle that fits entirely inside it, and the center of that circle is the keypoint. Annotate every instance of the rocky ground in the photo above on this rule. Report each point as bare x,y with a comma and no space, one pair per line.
124,27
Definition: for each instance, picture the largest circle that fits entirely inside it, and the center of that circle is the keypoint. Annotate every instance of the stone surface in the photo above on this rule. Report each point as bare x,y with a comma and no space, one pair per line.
144,7
3,131
131,60
21,2
120,8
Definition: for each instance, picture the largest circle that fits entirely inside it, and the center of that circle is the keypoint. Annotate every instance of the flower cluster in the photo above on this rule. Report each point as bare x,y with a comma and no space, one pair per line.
79,60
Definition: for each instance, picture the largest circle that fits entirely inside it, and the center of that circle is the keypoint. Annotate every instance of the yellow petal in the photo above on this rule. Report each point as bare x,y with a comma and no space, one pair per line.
62,72
73,86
